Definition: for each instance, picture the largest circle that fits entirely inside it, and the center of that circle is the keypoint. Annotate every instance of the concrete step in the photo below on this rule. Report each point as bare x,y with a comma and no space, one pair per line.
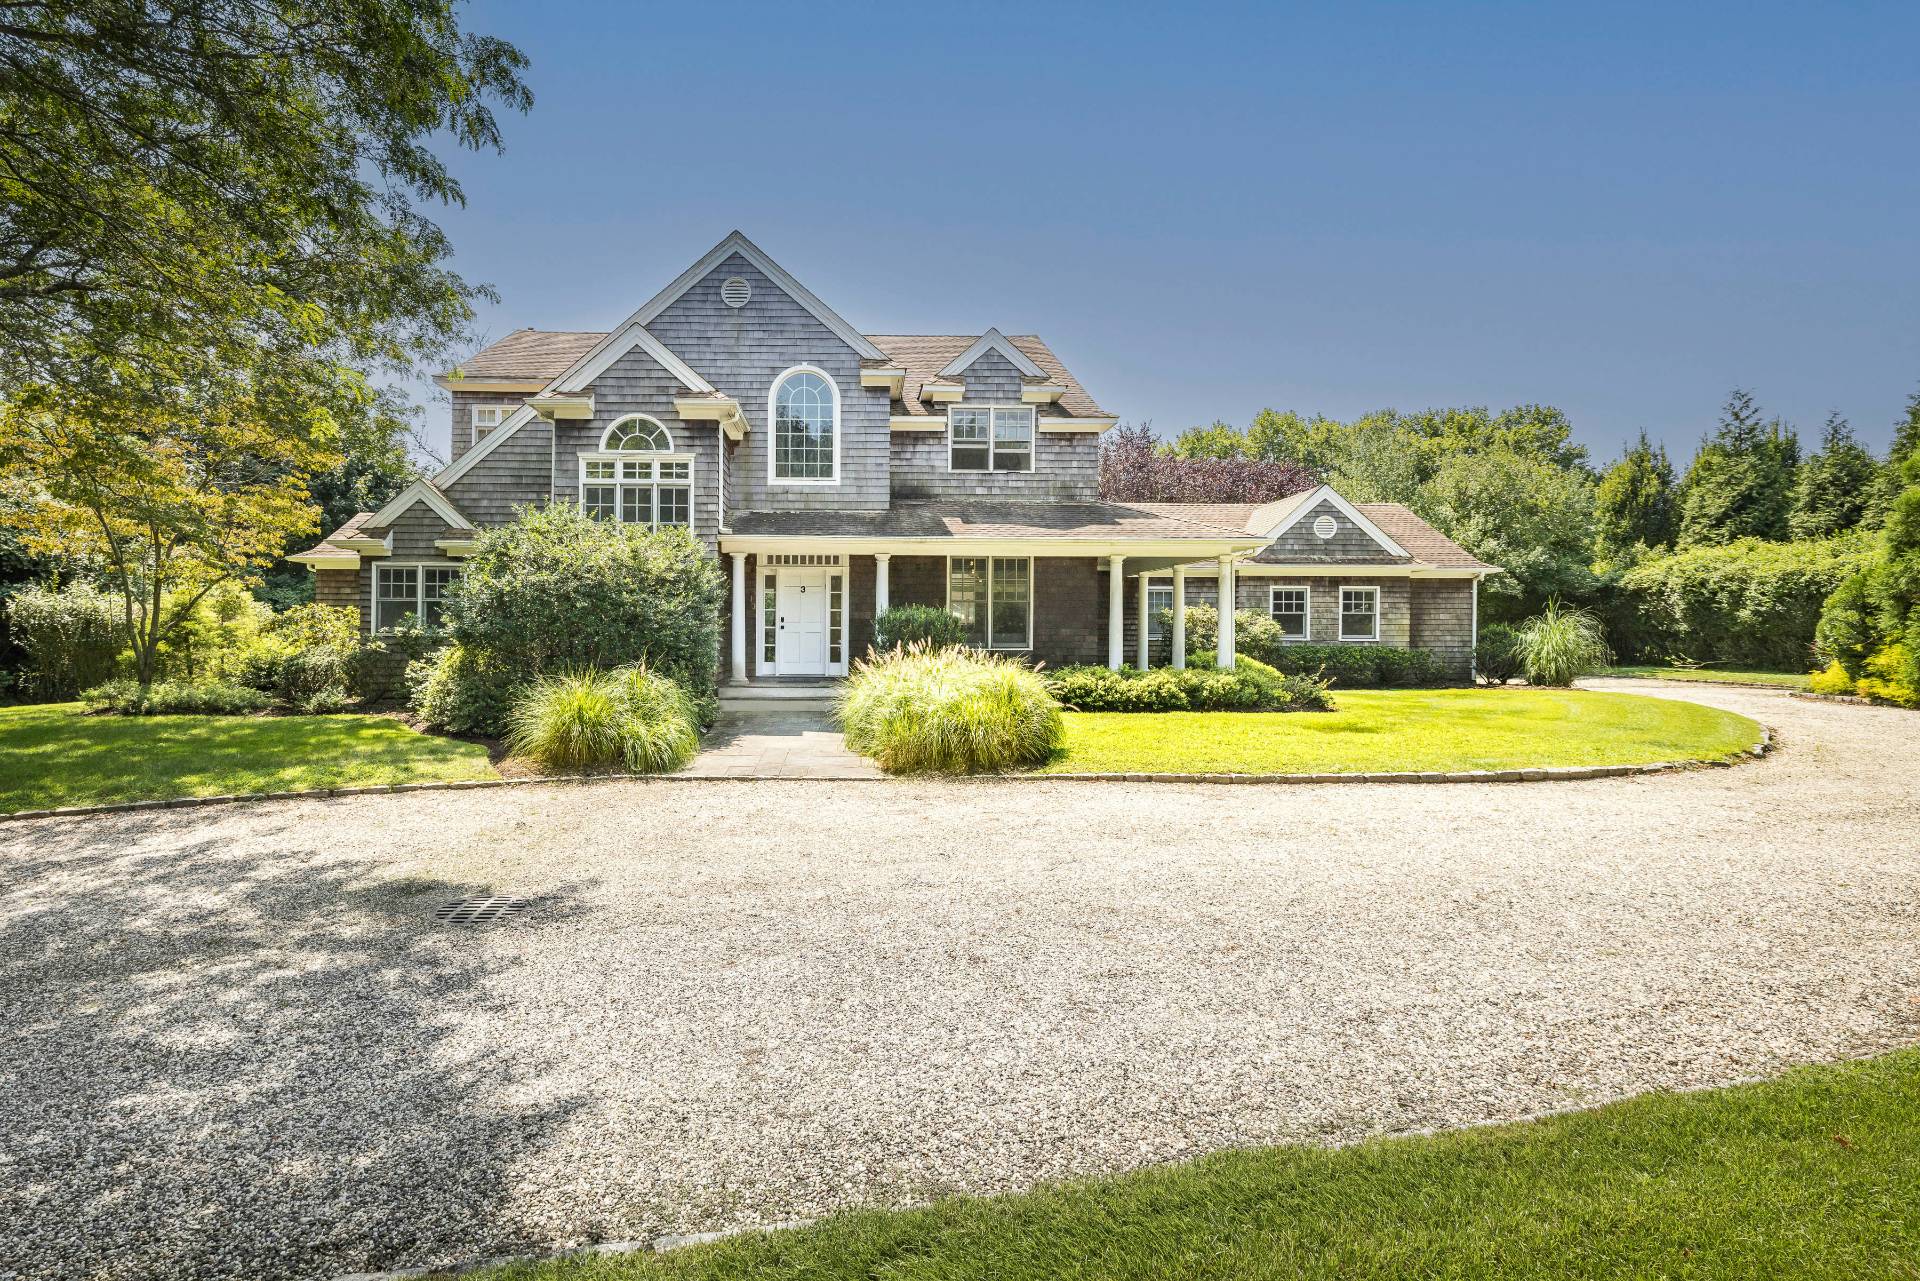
783,696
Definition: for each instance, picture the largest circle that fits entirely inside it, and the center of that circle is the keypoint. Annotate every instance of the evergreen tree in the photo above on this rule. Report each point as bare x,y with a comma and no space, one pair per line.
1741,482
1634,505
1887,485
1833,487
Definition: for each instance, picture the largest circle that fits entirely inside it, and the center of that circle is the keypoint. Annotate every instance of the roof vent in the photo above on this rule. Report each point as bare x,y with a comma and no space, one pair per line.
734,292
1326,527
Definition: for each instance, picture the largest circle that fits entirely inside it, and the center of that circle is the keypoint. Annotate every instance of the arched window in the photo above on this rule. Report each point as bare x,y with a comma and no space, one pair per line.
636,433
636,477
804,410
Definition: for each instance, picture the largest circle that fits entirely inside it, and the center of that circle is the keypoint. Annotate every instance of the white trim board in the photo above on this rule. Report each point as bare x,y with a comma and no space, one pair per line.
993,340
421,491
736,242
1326,493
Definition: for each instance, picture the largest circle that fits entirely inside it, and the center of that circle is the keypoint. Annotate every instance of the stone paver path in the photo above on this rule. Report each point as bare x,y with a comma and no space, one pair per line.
779,742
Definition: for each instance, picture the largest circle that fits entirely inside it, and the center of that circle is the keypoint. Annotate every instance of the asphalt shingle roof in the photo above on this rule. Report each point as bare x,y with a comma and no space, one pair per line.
529,355
983,519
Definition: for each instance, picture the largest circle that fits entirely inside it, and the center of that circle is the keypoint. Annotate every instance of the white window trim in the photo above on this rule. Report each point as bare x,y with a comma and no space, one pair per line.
499,412
773,441
382,567
987,593
1341,613
1307,614
993,445
652,486
622,421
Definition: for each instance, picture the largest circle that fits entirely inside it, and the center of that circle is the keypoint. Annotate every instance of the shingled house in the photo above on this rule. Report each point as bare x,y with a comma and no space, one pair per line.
834,473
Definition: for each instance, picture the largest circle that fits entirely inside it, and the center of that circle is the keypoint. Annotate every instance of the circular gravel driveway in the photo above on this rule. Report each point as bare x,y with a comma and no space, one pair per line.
238,1043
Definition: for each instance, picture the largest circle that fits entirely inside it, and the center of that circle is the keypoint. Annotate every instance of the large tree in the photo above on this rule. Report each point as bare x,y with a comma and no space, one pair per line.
1833,487
1889,484
1522,513
1740,484
222,172
1634,506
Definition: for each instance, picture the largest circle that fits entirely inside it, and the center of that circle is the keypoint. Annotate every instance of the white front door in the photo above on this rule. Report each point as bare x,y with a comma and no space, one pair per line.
800,615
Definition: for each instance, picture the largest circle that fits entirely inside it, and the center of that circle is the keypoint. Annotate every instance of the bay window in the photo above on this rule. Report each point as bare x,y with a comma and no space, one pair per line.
990,437
992,596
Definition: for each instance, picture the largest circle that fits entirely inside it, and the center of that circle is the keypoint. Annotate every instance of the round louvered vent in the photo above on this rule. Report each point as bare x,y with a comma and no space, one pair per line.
735,292
1326,527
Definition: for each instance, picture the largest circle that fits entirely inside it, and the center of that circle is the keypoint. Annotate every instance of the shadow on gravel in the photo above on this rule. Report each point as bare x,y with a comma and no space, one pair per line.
227,1064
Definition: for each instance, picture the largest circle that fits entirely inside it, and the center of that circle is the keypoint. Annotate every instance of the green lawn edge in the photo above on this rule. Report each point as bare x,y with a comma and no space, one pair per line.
1712,676
1409,731
1815,1174
56,756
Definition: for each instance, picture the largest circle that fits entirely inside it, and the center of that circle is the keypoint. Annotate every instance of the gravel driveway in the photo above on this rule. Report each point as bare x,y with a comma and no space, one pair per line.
239,1045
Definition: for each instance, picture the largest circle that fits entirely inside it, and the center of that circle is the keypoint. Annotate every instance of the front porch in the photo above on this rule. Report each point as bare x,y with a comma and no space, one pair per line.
800,617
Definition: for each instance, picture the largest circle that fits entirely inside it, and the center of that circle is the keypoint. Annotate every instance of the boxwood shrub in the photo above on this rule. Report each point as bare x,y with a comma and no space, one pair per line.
1251,686
1257,636
915,624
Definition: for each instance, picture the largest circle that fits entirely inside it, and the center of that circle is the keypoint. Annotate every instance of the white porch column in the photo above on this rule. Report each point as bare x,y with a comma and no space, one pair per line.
1224,656
1116,613
1141,646
737,673
1179,616
880,562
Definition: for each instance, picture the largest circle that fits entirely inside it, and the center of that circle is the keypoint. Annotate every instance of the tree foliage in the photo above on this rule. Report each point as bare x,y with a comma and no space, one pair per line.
1133,469
1740,484
1870,625
258,167
1523,513
1634,506
1834,488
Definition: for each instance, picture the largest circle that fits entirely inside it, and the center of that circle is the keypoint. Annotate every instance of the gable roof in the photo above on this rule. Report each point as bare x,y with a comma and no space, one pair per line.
527,355
925,356
420,491
992,340
329,553
1422,542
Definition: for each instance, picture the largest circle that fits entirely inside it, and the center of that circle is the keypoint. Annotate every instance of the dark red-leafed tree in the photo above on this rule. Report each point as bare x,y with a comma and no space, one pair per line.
1133,470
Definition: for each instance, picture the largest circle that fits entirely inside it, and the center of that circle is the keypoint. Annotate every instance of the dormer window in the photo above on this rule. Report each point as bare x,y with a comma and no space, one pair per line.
636,477
804,409
990,437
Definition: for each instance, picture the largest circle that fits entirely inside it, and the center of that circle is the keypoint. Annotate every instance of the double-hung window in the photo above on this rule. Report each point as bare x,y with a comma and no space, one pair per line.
992,596
1288,606
1359,613
418,592
487,417
990,437
634,479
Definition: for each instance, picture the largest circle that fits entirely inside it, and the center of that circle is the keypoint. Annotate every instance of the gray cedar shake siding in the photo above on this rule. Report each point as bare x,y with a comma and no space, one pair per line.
895,485
637,384
741,351
1066,465
464,436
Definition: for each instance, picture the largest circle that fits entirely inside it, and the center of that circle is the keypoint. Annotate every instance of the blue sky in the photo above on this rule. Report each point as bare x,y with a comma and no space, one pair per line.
1620,211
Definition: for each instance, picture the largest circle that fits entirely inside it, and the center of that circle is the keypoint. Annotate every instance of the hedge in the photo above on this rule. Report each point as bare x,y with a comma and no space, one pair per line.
1748,603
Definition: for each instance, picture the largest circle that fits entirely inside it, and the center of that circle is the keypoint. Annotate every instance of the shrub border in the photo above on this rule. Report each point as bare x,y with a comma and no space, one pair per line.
1854,699
1550,774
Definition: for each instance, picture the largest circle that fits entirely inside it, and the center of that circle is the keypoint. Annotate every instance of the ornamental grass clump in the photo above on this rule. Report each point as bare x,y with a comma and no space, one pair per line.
629,718
1561,645
921,710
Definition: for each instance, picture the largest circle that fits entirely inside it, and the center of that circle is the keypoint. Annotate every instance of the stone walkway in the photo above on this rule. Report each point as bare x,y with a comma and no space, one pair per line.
777,742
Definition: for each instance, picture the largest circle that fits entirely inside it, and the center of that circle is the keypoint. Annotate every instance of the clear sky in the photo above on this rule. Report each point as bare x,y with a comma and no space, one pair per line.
1621,211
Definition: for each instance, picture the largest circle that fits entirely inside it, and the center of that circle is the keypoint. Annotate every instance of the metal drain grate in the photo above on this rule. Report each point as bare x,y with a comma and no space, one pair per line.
480,909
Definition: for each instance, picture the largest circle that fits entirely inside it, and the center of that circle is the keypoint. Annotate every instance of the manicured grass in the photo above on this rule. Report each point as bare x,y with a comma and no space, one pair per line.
1392,731
1816,1174
1723,675
51,755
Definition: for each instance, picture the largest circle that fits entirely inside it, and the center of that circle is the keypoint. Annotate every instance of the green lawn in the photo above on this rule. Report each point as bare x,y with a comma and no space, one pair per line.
53,755
1814,1175
1724,675
1391,731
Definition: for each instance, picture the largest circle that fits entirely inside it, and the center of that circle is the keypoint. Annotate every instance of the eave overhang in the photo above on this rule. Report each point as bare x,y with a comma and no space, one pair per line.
453,382
1042,393
724,410
553,407
894,380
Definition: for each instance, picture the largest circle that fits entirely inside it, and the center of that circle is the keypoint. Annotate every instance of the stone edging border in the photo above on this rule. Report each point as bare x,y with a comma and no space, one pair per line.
1555,774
